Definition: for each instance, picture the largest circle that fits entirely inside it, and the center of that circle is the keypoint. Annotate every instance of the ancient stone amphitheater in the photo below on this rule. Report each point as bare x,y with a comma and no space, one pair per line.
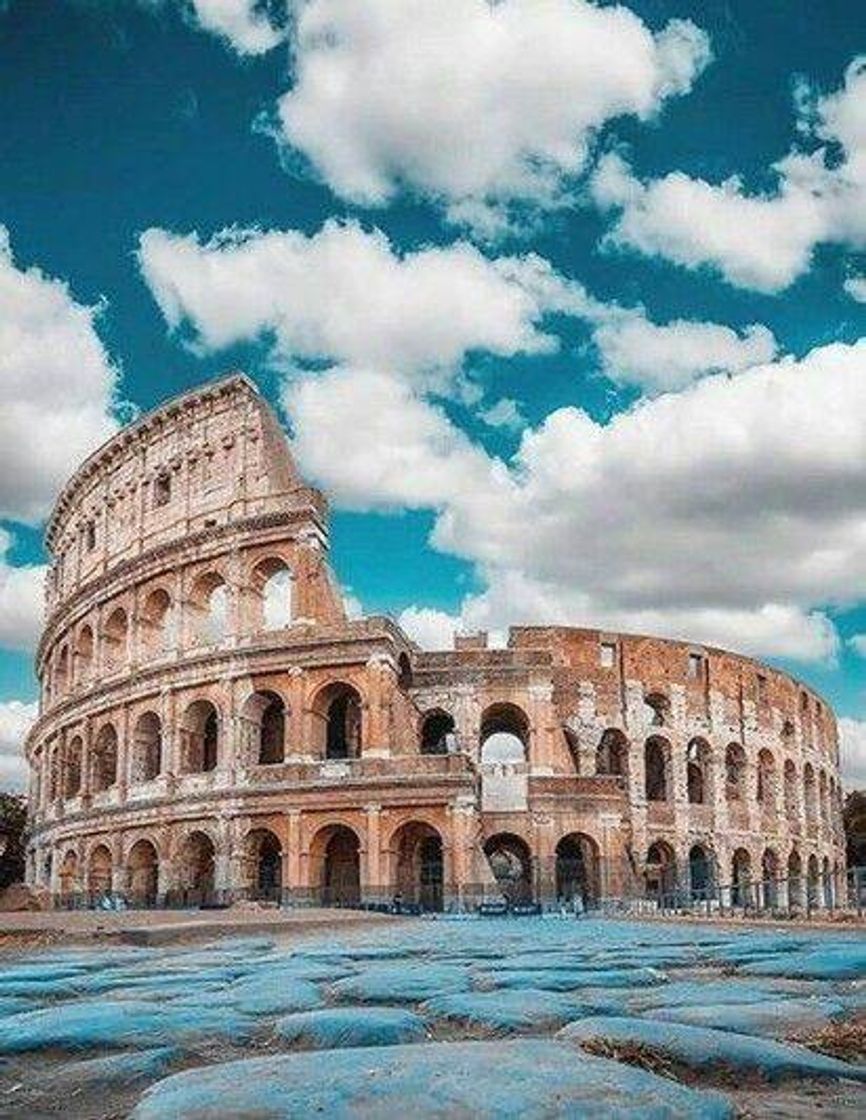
213,726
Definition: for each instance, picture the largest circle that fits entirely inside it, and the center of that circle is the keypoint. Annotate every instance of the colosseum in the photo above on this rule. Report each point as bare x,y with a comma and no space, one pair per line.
213,726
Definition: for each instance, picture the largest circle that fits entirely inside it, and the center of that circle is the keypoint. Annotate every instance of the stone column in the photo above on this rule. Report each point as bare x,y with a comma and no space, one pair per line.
372,886
292,871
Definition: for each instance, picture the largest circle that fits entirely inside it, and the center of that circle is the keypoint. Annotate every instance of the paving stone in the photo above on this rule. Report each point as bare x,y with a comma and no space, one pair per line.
338,1027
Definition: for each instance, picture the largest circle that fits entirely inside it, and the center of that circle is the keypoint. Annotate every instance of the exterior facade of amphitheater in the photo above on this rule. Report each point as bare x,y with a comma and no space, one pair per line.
214,727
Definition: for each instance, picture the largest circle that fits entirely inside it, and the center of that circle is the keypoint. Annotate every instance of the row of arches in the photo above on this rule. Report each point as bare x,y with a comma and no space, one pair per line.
207,617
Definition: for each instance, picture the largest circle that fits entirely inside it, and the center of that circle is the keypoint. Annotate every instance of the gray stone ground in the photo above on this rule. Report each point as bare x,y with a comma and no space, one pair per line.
330,1014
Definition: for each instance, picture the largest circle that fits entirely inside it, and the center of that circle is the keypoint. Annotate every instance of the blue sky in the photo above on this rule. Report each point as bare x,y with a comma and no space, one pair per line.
548,365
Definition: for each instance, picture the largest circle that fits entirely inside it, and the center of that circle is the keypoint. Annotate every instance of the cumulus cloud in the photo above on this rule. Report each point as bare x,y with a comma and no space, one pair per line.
754,240
243,24
57,386
852,743
858,644
504,413
855,286
430,628
16,718
346,296
21,598
473,104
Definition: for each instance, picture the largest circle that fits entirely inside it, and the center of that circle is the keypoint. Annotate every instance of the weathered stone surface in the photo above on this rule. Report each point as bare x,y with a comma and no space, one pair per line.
781,1018
339,1027
514,1010
569,980
429,1080
409,984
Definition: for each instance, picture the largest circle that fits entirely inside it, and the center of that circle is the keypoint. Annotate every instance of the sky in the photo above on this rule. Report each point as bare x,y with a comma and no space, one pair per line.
563,304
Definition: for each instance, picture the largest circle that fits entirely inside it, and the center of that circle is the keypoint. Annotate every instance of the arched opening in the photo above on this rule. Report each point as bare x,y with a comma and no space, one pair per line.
69,885
266,716
511,863
792,792
209,607
701,878
404,672
62,674
55,773
146,748
337,850
698,769
611,756
766,781
437,732
504,734
657,753
338,712
272,585
264,854
770,878
828,886
72,768
813,881
577,870
419,870
157,623
199,738
115,635
660,874
810,794
795,880
658,708
735,773
196,869
103,774
142,868
84,653
741,876
99,873
822,799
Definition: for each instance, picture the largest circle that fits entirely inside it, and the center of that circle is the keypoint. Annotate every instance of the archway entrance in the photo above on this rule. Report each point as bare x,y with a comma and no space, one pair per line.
661,872
511,863
741,875
419,870
577,870
99,873
197,869
264,864
700,874
770,878
143,873
337,712
341,867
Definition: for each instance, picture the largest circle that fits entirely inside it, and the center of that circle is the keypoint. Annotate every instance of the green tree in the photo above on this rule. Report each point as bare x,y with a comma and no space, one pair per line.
13,837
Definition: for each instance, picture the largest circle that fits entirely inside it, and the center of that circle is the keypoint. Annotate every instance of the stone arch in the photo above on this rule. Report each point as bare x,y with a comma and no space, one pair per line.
660,874
103,760
199,737
770,872
658,708
701,873
504,735
142,873
828,885
157,623
62,677
813,881
741,878
578,869
55,771
810,794
792,790
196,859
146,748
418,864
735,772
699,772
510,861
611,755
823,804
265,713
767,782
69,875
209,605
273,589
99,868
337,720
437,732
263,854
115,640
795,880
84,644
335,858
657,766
74,755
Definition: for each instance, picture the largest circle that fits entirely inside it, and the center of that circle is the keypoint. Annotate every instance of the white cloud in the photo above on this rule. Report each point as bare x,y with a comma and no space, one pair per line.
855,286
755,240
504,413
852,743
659,358
15,720
472,103
243,24
430,628
21,599
346,296
57,387
858,644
